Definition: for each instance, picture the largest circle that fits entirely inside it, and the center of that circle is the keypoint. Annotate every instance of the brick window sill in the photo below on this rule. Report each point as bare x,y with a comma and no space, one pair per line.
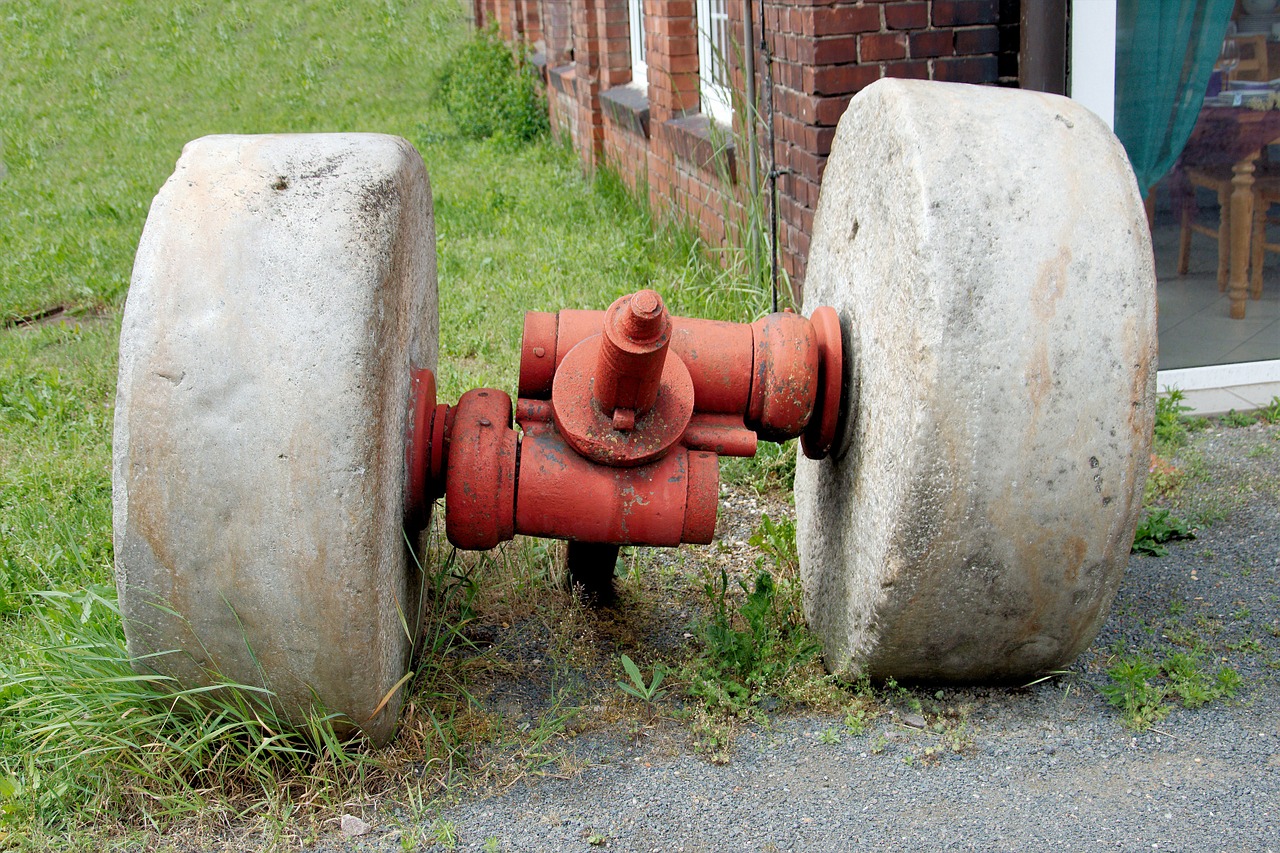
627,107
704,143
561,78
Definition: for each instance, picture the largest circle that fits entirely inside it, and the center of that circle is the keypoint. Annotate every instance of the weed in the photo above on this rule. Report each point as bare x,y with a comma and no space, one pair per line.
1270,413
1144,688
750,653
1238,419
1260,451
1248,645
1165,480
645,690
1240,614
1172,426
1135,689
856,719
446,834
829,736
1157,528
777,541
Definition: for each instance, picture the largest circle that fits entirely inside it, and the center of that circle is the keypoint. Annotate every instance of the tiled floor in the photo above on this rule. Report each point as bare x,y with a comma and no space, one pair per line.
1196,330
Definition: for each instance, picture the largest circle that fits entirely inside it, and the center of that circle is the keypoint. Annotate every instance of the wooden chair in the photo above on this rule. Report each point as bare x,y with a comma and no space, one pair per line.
1253,59
1267,194
1217,179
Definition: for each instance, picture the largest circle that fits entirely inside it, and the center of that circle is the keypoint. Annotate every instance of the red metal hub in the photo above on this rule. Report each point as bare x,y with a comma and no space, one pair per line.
623,416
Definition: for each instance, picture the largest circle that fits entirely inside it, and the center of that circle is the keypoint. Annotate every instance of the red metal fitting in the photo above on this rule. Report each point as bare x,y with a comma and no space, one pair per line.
565,496
633,350
784,376
480,489
624,415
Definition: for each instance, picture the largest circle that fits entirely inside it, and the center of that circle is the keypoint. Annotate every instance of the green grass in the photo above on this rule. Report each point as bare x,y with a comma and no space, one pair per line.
96,103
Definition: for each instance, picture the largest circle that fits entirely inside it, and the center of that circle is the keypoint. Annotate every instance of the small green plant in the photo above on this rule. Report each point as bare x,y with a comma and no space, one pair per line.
446,834
1170,427
829,736
1144,688
1270,413
1238,419
750,653
855,721
646,690
1158,527
1136,689
1248,645
490,91
777,539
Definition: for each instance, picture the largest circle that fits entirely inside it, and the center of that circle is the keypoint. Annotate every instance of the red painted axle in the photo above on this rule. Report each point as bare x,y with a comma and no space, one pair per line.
623,415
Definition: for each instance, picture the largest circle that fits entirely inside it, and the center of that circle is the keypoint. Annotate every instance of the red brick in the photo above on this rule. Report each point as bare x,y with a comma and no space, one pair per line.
932,43
907,16
915,69
808,164
838,20
839,79
820,109
958,13
968,69
834,50
791,75
672,9
883,46
661,27
683,64
977,40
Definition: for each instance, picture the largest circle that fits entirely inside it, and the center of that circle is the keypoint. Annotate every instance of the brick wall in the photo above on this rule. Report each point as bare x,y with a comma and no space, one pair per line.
824,53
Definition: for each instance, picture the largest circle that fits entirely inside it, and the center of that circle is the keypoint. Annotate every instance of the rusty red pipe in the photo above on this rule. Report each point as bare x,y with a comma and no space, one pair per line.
624,415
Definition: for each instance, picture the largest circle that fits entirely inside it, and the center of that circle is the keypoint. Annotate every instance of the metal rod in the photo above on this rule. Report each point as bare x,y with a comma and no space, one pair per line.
753,146
773,157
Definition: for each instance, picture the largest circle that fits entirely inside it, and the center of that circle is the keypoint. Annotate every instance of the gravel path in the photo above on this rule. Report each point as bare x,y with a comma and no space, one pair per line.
1051,765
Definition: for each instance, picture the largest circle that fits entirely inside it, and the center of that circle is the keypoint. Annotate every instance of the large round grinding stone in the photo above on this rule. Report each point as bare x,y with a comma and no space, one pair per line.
283,289
988,254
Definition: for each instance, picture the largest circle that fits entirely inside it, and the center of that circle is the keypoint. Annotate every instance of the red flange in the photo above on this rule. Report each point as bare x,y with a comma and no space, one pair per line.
480,489
820,433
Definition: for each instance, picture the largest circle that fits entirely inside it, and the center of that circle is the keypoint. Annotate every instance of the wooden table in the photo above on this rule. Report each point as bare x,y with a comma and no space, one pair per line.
1235,136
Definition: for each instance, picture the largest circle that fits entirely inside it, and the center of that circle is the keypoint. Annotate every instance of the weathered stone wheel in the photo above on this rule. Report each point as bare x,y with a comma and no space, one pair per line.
989,258
283,289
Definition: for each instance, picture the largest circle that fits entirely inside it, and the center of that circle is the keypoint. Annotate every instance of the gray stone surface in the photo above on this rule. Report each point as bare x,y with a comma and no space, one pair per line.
283,286
989,257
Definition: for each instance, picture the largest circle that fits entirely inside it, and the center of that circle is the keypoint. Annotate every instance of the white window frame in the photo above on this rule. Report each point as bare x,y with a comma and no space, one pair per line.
639,67
713,59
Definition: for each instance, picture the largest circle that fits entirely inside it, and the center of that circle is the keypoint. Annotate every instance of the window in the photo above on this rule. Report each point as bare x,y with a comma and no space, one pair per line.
713,59
639,68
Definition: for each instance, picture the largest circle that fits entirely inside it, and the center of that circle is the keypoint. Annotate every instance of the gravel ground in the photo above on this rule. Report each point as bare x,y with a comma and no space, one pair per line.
1050,765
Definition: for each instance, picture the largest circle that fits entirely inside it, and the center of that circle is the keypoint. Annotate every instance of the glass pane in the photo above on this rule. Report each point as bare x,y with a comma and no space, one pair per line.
1197,99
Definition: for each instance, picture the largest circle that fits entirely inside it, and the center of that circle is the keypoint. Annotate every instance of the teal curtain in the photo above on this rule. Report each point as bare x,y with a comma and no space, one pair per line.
1165,51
